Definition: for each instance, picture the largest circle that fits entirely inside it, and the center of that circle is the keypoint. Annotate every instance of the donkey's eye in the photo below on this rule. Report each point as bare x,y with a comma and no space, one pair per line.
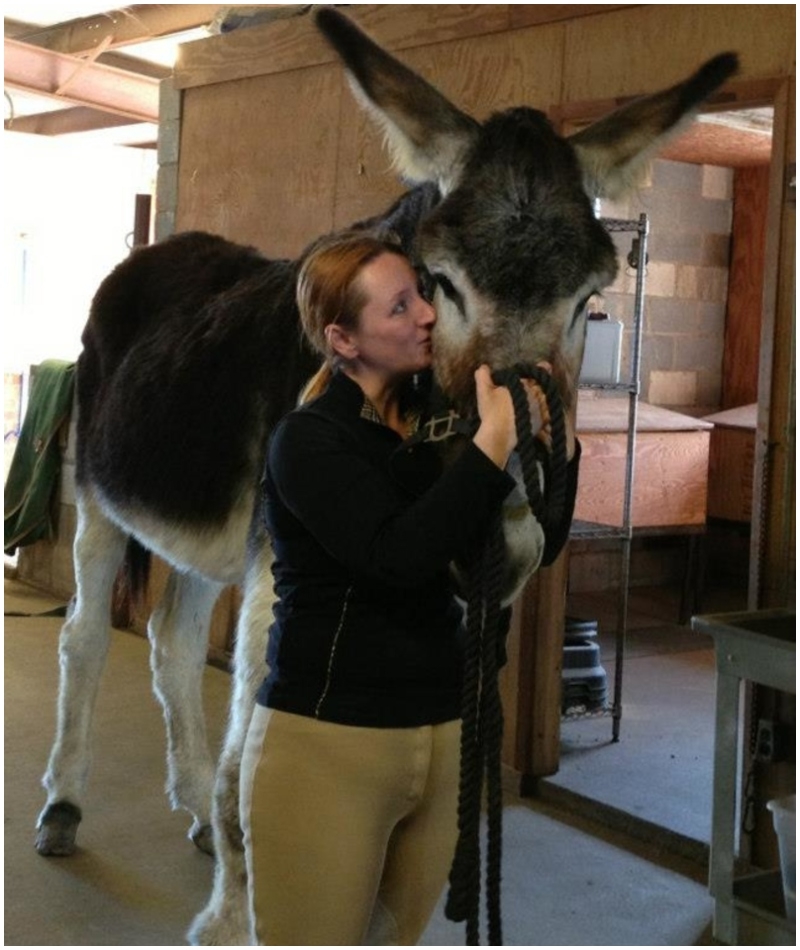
426,284
579,310
449,290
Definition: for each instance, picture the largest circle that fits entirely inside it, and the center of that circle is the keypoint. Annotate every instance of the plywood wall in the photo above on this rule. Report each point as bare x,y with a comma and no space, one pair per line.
274,150
256,166
626,52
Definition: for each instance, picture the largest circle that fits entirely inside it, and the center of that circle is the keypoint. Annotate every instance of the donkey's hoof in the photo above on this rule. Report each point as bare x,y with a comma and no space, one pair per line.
203,837
57,829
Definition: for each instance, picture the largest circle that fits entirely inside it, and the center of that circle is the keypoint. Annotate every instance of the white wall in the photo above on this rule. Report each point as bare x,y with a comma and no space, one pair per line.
67,214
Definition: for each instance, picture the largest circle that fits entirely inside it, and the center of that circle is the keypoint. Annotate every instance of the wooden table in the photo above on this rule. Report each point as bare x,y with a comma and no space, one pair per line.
670,484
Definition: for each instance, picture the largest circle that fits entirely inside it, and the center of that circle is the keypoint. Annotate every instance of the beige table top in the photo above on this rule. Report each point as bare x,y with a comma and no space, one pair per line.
598,413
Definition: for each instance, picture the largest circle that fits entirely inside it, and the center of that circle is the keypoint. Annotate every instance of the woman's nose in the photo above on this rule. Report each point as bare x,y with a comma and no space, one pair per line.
427,314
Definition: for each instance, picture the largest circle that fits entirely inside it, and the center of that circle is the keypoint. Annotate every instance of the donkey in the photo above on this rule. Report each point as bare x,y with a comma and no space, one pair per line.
192,352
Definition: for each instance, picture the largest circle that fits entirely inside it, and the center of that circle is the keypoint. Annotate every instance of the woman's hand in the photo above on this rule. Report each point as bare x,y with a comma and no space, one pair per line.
538,408
540,415
497,432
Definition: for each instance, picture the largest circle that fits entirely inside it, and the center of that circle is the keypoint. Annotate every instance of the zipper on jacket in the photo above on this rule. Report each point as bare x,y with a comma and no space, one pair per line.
331,658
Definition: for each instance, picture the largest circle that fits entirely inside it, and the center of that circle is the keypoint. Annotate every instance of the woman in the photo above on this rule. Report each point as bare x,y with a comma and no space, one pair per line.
350,772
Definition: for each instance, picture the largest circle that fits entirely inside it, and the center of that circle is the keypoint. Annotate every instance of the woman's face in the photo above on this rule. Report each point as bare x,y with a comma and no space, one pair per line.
393,336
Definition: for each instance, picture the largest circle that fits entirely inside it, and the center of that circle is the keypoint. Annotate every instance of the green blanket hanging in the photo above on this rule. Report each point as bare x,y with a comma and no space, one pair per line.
35,468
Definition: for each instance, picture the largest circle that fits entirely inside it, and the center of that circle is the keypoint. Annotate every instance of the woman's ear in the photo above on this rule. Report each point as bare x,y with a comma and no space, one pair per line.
340,341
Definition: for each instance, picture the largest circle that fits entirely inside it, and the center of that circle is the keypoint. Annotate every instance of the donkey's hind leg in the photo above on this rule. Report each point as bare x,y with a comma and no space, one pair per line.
178,632
98,551
225,921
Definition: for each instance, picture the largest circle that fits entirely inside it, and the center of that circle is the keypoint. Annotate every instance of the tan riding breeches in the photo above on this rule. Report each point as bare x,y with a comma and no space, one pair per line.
349,831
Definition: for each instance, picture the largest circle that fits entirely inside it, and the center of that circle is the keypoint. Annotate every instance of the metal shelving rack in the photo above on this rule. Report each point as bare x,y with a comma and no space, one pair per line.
590,531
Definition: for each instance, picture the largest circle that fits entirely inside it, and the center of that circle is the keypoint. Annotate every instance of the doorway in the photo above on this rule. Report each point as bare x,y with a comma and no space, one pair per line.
704,283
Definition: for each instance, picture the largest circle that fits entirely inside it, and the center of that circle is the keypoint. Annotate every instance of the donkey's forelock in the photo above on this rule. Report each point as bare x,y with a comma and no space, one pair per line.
518,220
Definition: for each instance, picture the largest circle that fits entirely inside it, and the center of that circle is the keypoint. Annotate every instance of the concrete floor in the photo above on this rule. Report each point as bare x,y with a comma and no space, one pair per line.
572,874
666,736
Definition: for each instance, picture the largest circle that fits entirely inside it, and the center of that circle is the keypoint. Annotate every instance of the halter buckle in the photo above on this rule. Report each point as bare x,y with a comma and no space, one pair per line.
444,427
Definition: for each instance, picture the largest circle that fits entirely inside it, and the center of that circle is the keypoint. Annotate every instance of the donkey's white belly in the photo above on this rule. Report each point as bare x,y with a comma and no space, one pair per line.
216,551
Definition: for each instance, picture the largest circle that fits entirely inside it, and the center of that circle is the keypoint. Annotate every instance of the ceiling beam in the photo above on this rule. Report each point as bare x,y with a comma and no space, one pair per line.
120,27
17,30
66,121
133,64
69,79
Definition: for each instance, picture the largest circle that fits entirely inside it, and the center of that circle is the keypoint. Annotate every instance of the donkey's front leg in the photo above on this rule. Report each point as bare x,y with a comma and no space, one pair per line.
98,550
178,632
523,536
225,921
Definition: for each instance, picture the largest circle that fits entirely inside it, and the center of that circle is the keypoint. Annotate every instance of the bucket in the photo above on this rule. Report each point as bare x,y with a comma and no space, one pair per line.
785,822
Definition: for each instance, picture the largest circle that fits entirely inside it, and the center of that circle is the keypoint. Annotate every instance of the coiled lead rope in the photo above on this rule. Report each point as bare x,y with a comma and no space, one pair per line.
482,714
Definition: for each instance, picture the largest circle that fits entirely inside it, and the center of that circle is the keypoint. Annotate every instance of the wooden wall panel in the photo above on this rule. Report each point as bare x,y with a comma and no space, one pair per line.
255,51
485,74
629,52
250,170
365,180
295,43
535,14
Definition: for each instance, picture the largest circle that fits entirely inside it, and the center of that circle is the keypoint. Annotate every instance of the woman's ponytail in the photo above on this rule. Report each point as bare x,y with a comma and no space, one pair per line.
317,384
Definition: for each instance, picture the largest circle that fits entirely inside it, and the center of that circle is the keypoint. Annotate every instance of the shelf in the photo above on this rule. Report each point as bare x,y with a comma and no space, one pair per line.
624,224
592,531
596,531
630,388
579,713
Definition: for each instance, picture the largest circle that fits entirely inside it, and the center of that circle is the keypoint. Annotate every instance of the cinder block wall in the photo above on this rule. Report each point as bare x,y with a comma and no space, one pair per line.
690,209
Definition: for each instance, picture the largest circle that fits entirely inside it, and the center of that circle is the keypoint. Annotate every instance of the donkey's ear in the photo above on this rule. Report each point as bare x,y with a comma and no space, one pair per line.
614,151
427,135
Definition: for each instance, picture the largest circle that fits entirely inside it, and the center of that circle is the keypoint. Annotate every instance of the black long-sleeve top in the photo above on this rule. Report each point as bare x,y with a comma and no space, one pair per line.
367,629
